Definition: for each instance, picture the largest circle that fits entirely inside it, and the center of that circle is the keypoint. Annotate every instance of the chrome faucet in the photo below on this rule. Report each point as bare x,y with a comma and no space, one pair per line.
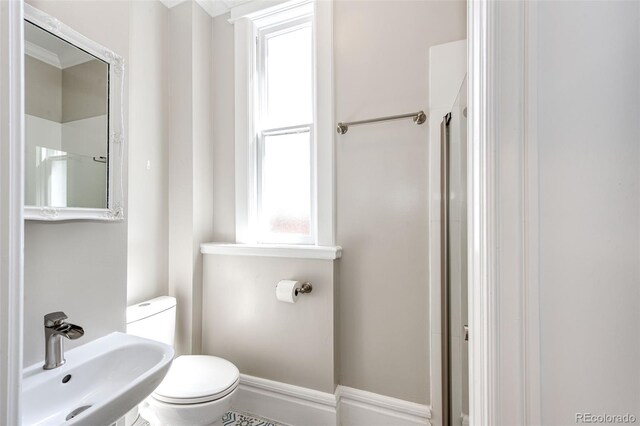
54,329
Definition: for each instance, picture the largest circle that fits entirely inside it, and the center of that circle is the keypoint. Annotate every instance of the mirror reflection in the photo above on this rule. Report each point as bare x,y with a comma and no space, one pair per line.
66,124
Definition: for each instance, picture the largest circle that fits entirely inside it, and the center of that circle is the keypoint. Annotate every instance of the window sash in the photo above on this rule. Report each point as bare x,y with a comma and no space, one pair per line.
262,35
283,238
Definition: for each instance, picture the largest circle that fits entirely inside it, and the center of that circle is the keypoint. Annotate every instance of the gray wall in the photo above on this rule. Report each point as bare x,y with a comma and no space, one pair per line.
63,95
243,321
382,177
171,207
382,181
190,168
223,107
84,90
78,267
43,89
148,252
589,151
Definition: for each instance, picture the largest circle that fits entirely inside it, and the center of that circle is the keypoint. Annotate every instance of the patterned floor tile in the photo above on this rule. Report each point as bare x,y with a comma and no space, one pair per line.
240,419
141,422
230,419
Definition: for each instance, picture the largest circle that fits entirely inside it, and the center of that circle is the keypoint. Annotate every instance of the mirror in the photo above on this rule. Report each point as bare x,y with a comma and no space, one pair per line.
73,124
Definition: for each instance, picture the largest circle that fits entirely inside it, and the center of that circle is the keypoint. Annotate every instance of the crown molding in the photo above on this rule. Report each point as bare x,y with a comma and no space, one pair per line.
212,7
42,54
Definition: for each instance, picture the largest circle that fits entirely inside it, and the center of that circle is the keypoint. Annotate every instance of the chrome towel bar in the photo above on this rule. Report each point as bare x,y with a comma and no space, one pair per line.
418,118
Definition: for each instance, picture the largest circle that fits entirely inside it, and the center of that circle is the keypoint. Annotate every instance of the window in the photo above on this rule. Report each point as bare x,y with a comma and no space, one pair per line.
284,123
283,128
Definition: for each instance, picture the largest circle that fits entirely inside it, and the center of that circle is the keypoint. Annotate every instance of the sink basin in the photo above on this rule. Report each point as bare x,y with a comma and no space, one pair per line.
100,382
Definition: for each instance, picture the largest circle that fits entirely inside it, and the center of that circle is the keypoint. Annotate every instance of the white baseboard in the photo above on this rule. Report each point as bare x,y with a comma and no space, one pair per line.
362,408
288,404
298,406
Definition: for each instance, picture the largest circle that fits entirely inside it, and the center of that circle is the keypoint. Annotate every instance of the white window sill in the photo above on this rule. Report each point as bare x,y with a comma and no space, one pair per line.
273,250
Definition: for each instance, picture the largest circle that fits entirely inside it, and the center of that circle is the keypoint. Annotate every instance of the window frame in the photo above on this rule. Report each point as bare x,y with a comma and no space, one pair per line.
247,20
264,30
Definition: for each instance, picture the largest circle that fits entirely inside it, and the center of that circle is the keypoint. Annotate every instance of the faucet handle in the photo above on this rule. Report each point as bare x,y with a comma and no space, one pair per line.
54,318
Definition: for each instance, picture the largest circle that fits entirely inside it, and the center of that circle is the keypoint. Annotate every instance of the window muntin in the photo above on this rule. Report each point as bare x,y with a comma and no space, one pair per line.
285,190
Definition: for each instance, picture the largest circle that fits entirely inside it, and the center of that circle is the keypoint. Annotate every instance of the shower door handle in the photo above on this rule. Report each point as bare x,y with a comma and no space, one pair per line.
445,282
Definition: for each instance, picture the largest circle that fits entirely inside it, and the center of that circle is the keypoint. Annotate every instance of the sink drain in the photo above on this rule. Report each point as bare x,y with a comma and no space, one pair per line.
77,411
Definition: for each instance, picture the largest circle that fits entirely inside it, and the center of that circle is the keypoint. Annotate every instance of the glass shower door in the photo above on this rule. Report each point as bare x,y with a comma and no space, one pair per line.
454,267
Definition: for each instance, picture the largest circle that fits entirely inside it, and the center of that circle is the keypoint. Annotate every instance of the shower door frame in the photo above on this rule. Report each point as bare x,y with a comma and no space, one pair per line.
445,271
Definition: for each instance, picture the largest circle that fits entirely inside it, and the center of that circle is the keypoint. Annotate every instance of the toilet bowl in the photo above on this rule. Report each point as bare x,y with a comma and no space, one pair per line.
198,389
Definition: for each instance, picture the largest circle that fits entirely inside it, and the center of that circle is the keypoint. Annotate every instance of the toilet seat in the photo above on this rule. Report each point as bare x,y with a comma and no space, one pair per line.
195,379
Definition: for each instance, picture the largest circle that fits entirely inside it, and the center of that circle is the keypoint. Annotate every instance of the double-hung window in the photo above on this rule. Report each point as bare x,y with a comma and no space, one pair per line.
284,123
283,126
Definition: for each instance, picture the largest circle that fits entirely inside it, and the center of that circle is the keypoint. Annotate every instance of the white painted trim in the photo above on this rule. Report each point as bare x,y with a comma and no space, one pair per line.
11,213
261,9
503,254
212,7
244,34
325,119
42,54
171,3
68,213
115,207
299,392
285,403
358,407
70,58
483,344
273,250
295,405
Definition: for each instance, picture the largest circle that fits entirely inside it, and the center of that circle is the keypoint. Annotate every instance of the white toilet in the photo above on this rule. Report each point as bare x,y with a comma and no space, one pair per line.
198,389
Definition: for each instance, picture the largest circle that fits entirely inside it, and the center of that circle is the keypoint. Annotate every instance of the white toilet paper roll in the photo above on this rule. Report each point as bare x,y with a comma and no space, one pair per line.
286,291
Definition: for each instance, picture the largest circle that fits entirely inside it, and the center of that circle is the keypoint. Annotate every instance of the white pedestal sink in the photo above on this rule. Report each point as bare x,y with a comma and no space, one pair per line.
100,382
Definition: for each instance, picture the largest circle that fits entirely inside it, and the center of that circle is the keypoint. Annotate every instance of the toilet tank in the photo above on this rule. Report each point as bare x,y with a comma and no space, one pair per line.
154,319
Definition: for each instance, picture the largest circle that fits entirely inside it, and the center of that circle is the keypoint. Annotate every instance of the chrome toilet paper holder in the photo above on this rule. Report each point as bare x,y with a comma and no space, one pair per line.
304,288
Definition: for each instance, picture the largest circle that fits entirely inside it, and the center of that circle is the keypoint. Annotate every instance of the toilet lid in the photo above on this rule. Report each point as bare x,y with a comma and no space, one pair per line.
194,379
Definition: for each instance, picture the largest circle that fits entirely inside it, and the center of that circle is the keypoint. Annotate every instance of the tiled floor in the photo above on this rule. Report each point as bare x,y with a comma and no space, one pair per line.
230,419
239,419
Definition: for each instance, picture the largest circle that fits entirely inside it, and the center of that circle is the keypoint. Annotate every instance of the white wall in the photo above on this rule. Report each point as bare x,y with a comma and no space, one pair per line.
78,267
147,272
588,110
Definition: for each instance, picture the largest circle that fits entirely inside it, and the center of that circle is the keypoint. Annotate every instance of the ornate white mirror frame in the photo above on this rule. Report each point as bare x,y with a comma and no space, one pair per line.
115,209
